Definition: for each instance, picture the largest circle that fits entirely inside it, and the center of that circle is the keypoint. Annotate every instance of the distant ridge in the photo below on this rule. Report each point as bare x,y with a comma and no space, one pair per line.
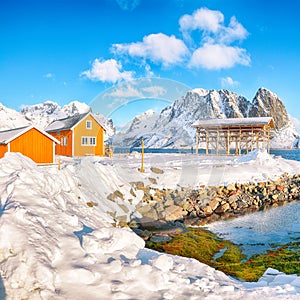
171,128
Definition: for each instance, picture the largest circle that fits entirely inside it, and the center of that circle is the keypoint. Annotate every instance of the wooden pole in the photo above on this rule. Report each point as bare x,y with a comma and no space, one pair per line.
197,140
217,143
142,169
228,143
269,143
142,166
207,142
58,164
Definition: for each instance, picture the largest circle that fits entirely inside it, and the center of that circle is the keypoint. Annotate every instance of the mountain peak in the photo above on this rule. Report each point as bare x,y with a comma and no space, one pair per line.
172,127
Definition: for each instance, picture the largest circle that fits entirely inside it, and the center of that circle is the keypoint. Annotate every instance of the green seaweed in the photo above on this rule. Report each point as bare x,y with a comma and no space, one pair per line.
202,245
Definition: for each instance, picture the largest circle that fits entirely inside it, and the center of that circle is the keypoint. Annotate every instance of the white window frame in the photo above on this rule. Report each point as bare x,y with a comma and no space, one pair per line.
88,141
64,141
90,126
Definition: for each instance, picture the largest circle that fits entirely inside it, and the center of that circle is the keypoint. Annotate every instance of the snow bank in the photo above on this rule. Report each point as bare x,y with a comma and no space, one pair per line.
54,246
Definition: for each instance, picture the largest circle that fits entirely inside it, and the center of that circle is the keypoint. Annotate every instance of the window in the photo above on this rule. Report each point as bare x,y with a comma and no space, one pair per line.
88,141
92,141
88,124
64,141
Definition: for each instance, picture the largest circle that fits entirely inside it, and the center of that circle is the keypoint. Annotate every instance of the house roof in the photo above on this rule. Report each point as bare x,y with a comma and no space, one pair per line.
234,122
69,122
6,136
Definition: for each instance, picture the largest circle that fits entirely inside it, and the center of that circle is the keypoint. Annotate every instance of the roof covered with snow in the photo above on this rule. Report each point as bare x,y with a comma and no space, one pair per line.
7,136
65,123
69,122
232,122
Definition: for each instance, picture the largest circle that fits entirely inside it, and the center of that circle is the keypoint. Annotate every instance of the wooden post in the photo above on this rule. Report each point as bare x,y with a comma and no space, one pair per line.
247,149
58,164
207,142
228,143
142,165
236,146
240,142
269,145
197,140
217,143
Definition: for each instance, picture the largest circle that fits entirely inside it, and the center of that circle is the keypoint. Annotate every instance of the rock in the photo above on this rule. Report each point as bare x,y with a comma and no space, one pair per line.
173,213
144,234
91,204
118,194
111,197
156,170
279,187
222,208
143,208
159,238
169,202
151,214
233,198
152,180
214,203
124,208
231,187
132,192
241,204
207,210
234,205
139,185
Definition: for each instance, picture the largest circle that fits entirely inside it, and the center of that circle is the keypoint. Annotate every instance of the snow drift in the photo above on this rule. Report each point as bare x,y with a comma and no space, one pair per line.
55,246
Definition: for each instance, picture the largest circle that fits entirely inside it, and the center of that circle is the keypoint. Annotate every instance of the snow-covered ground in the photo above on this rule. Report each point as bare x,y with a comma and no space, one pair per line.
55,246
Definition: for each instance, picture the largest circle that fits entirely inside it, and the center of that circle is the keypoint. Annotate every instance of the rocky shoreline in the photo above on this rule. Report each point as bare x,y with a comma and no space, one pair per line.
167,212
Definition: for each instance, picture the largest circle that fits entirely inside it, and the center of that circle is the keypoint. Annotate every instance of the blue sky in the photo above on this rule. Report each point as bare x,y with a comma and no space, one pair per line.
77,50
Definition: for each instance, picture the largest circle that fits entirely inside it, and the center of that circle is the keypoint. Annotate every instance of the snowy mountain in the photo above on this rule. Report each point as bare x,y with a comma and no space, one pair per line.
43,114
171,128
11,119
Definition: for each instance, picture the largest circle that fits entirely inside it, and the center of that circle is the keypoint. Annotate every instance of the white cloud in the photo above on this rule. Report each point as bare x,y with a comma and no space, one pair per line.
148,71
211,23
159,48
235,31
228,81
49,75
126,92
202,19
155,91
218,56
107,71
128,4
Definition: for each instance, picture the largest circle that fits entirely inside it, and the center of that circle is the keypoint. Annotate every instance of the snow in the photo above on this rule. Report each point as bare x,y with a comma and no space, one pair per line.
9,134
11,118
234,121
54,246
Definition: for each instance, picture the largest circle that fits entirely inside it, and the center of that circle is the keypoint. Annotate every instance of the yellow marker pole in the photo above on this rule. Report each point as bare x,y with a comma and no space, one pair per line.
142,166
58,164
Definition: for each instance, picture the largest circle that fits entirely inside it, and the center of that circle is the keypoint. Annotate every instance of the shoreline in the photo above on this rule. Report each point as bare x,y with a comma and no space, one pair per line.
168,212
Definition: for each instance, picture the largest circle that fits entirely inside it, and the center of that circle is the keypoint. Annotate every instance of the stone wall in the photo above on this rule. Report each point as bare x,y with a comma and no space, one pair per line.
208,204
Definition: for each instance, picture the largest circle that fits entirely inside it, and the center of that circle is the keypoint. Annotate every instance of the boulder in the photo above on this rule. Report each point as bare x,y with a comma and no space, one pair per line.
156,170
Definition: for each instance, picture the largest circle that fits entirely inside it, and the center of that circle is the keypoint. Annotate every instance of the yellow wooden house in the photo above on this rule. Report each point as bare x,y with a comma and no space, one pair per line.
79,135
